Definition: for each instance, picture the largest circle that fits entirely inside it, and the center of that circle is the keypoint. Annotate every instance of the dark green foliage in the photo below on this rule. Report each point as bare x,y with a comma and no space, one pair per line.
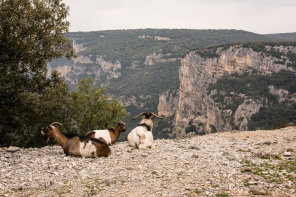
149,81
190,128
92,109
32,33
231,86
273,117
256,86
127,45
284,80
283,36
26,116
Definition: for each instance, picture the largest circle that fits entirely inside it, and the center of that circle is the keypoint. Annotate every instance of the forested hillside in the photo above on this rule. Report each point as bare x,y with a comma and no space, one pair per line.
238,86
136,66
283,36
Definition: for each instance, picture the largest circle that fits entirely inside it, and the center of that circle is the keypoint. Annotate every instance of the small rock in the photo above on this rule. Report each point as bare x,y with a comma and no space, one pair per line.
258,191
287,154
194,156
194,147
257,154
191,134
83,174
13,149
290,150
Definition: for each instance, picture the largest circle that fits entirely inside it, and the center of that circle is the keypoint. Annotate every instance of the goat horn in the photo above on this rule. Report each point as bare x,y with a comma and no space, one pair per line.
56,123
143,113
157,116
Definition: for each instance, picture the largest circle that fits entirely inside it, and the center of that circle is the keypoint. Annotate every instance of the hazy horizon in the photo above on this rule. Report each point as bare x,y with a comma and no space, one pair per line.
261,17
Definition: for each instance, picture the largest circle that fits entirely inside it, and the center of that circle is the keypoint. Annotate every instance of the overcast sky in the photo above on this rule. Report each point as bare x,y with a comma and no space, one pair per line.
258,16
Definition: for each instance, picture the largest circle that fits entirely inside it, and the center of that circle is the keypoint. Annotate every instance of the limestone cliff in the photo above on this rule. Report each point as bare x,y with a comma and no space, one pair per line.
94,66
196,106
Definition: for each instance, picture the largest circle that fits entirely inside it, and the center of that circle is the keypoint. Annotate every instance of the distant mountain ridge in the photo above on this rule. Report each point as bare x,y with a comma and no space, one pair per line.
137,66
283,36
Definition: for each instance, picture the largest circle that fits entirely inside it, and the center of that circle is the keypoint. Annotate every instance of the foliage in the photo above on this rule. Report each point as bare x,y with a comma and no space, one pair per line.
233,89
272,116
32,33
134,45
25,119
92,109
283,36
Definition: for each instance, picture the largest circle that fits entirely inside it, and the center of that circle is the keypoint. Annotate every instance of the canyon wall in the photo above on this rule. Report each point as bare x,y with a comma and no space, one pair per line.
194,105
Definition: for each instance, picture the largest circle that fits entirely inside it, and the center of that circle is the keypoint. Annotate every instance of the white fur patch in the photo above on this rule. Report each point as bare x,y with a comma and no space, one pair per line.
134,138
87,149
103,134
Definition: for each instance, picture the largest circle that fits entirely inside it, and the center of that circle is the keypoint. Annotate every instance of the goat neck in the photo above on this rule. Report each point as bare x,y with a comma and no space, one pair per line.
148,122
59,136
115,133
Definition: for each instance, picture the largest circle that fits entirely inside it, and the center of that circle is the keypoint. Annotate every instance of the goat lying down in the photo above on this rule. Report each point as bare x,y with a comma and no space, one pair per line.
109,135
75,145
141,137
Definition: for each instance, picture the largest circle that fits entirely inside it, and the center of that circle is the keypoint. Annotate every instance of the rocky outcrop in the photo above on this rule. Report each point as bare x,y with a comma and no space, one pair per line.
195,104
158,58
222,164
282,94
168,103
93,66
245,111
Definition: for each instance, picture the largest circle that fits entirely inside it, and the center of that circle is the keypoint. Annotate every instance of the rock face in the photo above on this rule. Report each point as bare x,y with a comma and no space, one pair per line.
195,104
158,58
93,66
168,103
231,163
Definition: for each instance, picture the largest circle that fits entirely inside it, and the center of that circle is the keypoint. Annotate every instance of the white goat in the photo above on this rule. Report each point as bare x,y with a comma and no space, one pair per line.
141,137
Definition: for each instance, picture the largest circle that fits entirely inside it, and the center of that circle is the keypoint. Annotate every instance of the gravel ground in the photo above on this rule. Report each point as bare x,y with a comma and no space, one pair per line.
247,163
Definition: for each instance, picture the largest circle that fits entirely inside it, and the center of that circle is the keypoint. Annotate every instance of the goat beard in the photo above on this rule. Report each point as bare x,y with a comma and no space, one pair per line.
47,139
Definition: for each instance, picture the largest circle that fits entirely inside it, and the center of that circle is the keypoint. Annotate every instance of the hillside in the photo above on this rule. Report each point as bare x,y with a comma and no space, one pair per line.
246,163
136,66
283,36
233,87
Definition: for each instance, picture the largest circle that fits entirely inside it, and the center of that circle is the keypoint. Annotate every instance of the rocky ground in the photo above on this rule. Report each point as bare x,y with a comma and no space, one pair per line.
249,163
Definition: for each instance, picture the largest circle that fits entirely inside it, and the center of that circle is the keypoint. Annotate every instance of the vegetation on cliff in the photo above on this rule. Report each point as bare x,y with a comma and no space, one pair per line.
233,89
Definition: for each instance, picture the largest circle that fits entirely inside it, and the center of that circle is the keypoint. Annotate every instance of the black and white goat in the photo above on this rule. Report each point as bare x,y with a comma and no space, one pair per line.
109,135
141,137
75,145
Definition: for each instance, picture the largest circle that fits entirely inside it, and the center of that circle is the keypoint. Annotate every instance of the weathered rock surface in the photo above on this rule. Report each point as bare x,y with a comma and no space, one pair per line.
196,106
243,163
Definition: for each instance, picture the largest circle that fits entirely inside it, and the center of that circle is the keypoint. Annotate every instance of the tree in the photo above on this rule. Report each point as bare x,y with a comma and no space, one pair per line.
32,33
92,109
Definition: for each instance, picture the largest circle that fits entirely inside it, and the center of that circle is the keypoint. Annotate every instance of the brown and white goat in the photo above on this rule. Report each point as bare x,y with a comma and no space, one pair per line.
141,137
75,145
109,135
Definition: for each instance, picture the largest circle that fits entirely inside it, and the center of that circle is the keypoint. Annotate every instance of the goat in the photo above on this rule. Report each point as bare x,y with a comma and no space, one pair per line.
109,135
141,137
75,145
